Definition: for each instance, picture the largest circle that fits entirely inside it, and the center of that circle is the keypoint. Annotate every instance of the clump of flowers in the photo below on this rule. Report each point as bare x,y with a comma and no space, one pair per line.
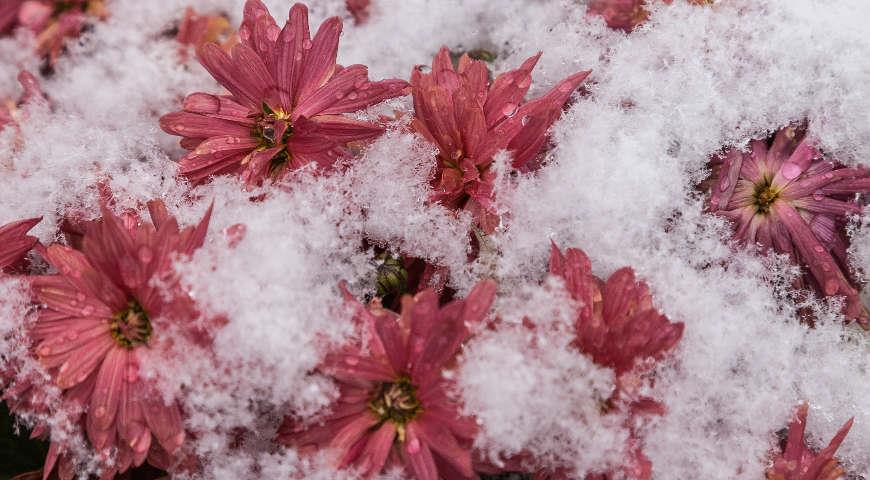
396,406
15,242
99,312
195,30
798,461
52,21
470,119
284,110
784,195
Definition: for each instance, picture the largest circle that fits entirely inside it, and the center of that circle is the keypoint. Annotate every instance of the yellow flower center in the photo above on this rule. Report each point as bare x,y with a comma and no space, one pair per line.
130,327
765,194
396,402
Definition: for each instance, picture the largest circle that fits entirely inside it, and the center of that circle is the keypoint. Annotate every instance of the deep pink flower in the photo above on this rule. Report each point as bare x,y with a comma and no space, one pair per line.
100,311
786,196
798,462
9,14
470,119
286,98
617,324
395,405
14,241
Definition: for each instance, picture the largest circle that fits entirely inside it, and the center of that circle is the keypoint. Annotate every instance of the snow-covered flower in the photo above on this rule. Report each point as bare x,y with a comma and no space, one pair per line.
625,15
786,196
798,462
10,110
104,306
470,119
286,98
396,405
15,242
52,21
195,30
617,324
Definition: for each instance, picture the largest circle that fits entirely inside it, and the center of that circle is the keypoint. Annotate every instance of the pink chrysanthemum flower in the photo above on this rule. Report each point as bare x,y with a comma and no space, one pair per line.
52,21
786,196
358,9
100,311
15,242
195,30
470,119
395,405
286,98
798,462
617,324
10,110
626,15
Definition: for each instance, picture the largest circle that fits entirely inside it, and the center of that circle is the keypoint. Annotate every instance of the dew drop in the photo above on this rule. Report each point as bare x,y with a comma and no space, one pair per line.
525,120
790,170
87,311
72,336
509,109
80,297
826,267
64,367
132,373
413,446
81,378
146,254
524,81
352,361
352,95
45,351
819,249
306,44
818,196
724,184
831,286
565,87
100,412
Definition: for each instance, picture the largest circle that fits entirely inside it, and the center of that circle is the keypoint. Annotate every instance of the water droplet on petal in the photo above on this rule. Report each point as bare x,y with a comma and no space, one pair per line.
80,297
146,254
791,170
413,446
826,267
509,109
524,81
178,439
72,336
818,195
88,311
724,184
352,95
352,361
306,44
81,378
819,249
44,351
525,120
132,373
831,286
100,412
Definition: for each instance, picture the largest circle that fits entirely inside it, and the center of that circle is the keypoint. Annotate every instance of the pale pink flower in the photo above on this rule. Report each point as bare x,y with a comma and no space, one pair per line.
470,119
799,462
10,110
396,407
52,21
284,110
99,312
626,15
786,196
195,30
14,241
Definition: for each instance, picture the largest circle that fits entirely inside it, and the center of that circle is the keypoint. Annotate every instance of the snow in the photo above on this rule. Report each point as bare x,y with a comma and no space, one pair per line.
619,183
